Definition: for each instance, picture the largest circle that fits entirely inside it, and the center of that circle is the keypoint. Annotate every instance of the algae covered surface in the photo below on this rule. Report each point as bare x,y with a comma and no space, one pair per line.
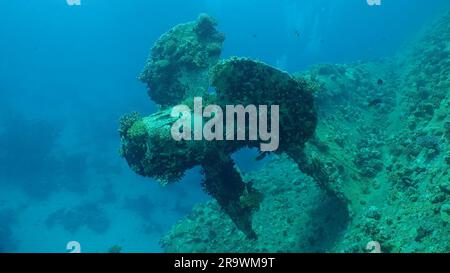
225,126
375,168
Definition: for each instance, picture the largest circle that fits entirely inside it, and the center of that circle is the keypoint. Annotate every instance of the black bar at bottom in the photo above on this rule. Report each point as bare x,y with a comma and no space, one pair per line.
217,262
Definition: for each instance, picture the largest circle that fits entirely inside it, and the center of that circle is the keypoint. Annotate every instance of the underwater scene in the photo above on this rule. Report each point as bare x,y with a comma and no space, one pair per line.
224,126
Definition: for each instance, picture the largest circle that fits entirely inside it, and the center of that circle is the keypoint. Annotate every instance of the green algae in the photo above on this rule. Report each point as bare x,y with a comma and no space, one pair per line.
387,165
181,60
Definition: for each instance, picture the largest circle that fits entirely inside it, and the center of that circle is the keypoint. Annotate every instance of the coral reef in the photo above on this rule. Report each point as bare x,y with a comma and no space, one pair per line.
181,60
192,50
241,81
380,152
290,219
151,151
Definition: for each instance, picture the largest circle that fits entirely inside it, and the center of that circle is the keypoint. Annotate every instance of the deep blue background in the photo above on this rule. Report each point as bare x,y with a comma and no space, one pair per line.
68,73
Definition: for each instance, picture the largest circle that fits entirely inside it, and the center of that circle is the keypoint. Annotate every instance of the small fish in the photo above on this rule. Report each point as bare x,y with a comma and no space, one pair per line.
374,102
297,33
380,82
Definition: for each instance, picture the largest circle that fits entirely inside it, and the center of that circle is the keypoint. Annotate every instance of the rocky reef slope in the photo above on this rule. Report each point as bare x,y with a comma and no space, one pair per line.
384,138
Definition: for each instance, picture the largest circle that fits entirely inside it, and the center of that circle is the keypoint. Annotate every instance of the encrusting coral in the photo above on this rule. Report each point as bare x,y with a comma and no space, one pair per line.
181,60
376,151
151,151
148,145
382,138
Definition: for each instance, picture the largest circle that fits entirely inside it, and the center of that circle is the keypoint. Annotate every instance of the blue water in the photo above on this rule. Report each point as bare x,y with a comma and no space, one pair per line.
67,73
